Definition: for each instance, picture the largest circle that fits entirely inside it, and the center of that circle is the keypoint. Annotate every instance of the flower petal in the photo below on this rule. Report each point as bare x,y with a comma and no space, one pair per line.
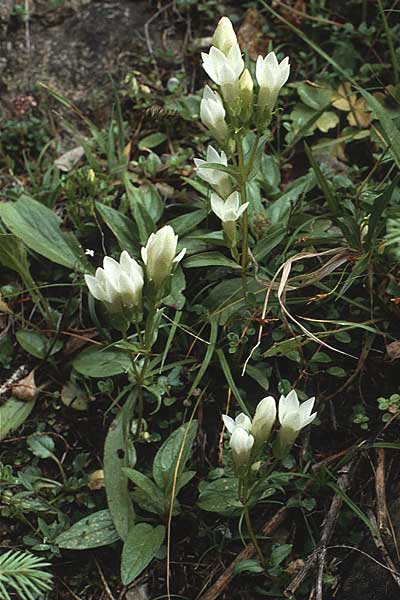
229,423
306,408
244,421
288,404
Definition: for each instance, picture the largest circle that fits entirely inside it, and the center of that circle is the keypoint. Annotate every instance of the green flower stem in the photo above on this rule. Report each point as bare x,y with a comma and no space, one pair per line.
245,218
140,412
60,467
244,497
253,536
244,173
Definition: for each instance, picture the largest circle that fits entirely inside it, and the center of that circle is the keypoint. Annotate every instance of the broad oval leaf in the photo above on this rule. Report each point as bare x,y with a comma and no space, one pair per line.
102,362
41,445
38,344
139,549
91,532
152,141
12,414
221,496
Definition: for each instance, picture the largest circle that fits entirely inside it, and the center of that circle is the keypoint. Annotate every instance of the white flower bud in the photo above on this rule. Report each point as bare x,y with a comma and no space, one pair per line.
224,35
159,255
246,87
118,285
264,419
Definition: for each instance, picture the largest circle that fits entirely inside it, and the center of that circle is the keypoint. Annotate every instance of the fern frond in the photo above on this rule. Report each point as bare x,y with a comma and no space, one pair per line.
22,573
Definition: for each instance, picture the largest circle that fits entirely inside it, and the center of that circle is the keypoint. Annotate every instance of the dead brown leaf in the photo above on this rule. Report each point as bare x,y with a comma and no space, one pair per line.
250,36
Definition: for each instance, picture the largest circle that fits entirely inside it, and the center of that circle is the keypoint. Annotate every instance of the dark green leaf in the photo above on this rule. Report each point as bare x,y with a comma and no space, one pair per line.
140,547
209,259
152,141
123,227
39,228
98,361
91,532
221,496
171,451
154,495
12,414
41,445
116,459
38,344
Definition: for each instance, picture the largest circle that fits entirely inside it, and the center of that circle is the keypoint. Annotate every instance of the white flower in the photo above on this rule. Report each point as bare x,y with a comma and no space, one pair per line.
220,180
264,419
241,443
241,420
224,36
224,70
117,284
230,209
293,417
271,76
159,255
212,114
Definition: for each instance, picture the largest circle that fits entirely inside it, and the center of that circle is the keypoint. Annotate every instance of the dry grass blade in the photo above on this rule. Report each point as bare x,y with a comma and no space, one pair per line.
340,256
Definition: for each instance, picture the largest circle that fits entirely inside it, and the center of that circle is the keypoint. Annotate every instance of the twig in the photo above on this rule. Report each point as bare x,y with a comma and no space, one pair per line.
328,528
380,544
227,576
270,526
104,581
15,377
381,506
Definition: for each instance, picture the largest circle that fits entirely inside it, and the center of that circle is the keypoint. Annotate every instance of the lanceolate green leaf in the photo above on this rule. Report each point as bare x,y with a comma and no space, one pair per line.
166,458
155,496
40,229
228,376
209,259
123,227
141,545
116,458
